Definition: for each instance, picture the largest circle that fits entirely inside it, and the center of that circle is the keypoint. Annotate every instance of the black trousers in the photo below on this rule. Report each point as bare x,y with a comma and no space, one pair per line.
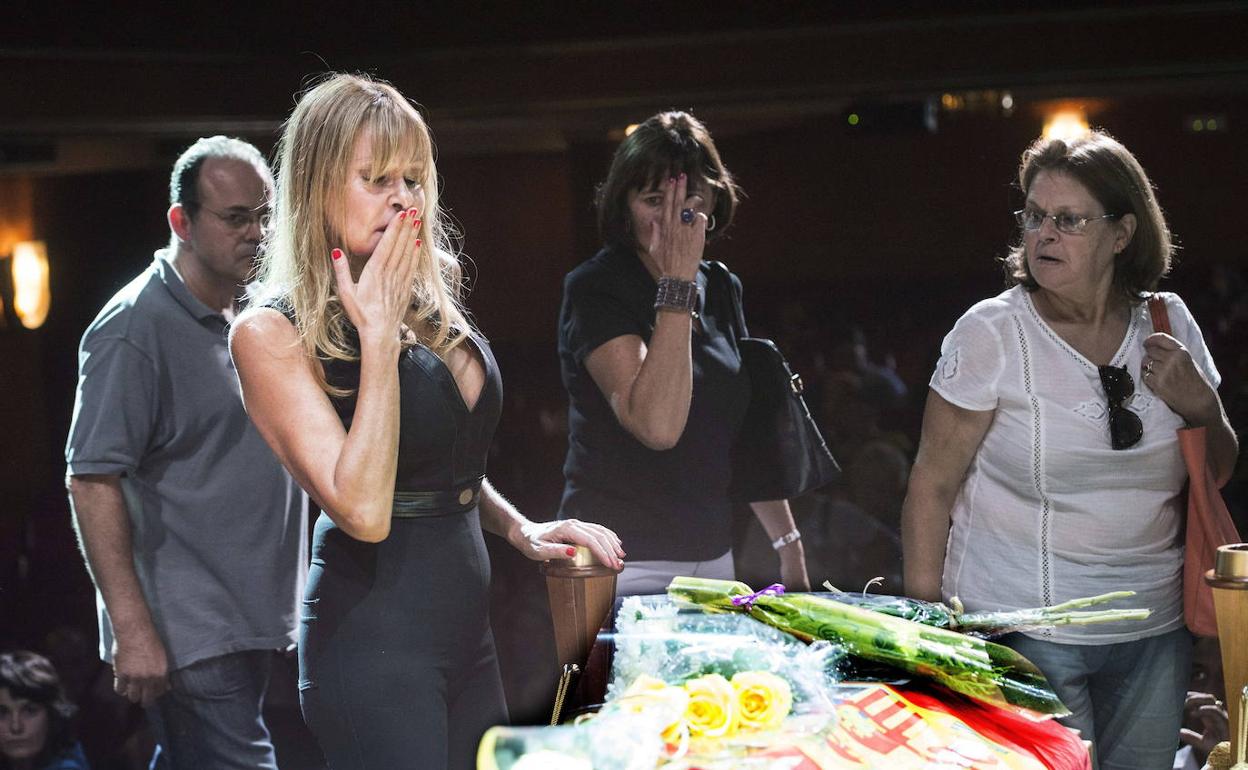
397,665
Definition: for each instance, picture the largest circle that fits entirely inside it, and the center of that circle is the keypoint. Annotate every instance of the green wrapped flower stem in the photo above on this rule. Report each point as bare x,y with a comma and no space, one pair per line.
974,667
991,624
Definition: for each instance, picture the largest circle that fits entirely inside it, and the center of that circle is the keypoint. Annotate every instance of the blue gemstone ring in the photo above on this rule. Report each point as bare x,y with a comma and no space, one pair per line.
686,216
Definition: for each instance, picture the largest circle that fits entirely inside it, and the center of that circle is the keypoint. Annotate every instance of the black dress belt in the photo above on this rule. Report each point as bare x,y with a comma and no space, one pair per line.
414,505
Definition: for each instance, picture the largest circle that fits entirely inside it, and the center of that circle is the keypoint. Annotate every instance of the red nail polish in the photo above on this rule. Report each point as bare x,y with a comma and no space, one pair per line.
418,243
682,175
415,222
571,552
402,215
336,253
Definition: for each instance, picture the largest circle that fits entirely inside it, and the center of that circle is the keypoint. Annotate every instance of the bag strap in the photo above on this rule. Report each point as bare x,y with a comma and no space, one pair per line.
725,276
1161,317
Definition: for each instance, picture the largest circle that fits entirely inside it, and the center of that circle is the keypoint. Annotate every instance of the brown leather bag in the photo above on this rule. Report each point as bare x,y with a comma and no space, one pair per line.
1209,523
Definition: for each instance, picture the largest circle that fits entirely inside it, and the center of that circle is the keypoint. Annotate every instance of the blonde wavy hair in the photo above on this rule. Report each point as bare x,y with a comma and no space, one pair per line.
315,154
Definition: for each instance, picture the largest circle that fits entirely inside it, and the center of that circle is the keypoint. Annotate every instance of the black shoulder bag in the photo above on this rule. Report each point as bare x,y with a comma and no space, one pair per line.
779,453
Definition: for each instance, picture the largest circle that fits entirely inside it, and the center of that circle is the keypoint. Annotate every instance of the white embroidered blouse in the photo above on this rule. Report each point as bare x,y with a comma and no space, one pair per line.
1049,511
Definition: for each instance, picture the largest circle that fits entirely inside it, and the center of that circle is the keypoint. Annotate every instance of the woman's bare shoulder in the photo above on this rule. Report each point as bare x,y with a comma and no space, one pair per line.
259,328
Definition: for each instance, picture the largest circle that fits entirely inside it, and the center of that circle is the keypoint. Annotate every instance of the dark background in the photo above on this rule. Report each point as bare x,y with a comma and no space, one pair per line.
892,226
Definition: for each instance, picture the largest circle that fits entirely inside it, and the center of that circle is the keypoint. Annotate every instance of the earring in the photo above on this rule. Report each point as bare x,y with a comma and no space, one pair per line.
711,224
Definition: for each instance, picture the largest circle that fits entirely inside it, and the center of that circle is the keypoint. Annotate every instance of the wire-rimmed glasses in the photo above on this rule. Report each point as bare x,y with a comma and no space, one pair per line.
1032,220
239,219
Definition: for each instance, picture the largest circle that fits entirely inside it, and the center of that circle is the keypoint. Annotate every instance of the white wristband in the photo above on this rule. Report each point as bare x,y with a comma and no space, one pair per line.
792,536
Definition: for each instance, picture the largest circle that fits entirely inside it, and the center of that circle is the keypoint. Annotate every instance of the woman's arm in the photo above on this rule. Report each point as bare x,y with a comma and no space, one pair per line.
541,541
1176,380
350,474
951,436
649,387
777,521
1222,447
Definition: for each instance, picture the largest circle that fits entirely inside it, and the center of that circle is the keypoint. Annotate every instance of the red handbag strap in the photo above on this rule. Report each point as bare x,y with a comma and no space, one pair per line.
1161,318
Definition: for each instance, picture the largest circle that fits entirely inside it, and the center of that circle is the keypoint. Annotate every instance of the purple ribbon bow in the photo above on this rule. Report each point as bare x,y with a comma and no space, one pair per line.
775,589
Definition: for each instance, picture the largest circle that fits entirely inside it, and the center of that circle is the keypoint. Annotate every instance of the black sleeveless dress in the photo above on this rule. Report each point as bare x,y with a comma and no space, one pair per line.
397,667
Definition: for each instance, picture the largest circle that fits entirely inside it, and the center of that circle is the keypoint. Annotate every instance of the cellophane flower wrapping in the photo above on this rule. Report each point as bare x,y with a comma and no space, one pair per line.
711,687
613,740
688,688
654,637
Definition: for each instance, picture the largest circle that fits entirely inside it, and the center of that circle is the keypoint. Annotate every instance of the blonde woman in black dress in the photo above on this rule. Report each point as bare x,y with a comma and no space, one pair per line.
362,372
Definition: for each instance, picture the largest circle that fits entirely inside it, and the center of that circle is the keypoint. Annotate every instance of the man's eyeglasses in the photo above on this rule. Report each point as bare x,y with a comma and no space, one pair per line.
242,220
1071,224
1125,427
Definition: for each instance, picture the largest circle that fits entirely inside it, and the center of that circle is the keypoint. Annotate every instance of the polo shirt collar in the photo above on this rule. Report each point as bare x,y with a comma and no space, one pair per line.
163,262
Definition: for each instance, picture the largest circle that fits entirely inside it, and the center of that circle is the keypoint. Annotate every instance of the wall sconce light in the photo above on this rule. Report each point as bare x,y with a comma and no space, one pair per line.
28,292
1066,124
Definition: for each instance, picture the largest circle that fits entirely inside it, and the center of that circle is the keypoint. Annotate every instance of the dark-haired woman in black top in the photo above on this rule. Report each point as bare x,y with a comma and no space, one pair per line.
657,394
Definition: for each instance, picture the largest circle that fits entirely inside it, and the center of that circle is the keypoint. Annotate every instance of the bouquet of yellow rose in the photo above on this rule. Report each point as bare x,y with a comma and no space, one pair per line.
712,706
688,686
652,724
655,640
713,690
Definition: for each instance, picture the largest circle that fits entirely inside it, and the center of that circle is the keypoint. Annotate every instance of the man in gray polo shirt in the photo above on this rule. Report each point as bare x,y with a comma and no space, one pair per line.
192,531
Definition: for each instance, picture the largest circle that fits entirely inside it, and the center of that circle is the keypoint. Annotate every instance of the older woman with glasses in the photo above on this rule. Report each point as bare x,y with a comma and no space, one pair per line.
1049,468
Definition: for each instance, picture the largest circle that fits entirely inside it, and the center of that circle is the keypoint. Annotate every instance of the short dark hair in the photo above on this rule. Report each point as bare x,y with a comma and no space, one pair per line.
32,677
1117,181
667,144
184,181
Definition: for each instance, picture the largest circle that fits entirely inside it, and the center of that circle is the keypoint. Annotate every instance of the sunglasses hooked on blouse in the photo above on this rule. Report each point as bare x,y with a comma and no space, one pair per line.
1125,427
